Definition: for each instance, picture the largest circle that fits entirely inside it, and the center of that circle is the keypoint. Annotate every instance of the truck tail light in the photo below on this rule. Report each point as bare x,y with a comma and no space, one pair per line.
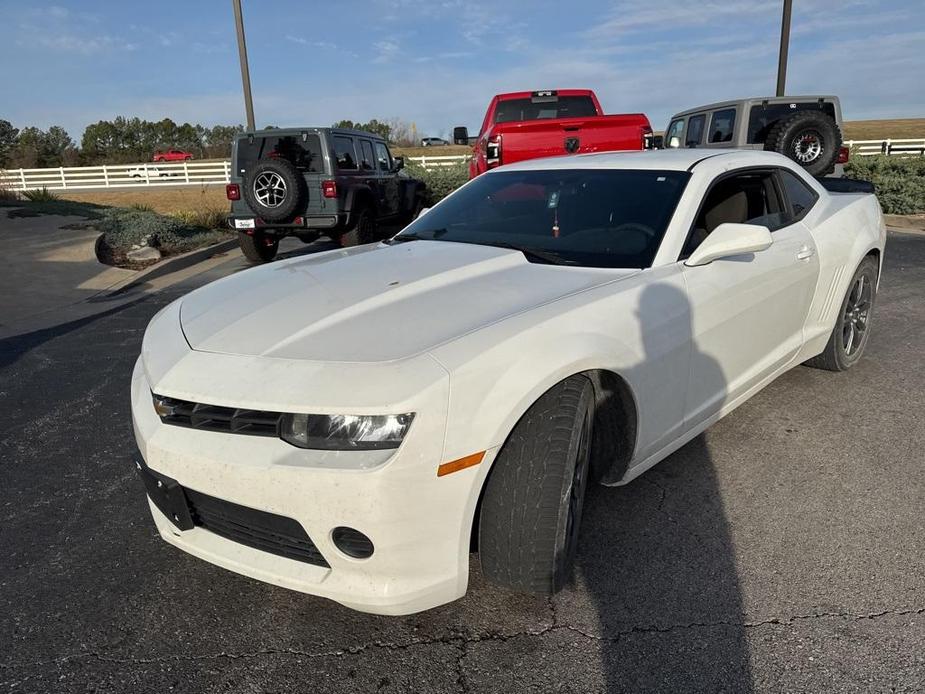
329,189
233,191
843,154
493,152
648,141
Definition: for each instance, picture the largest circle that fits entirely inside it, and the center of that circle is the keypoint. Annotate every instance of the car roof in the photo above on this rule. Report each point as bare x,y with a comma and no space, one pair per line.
756,99
664,160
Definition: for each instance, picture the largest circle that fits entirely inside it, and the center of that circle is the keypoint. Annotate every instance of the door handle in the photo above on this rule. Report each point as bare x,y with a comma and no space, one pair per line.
805,253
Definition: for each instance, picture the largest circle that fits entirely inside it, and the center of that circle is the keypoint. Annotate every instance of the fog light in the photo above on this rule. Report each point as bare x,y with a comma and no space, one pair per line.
352,542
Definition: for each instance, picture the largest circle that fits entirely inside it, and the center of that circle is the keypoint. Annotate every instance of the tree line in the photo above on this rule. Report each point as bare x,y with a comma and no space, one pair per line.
129,140
118,141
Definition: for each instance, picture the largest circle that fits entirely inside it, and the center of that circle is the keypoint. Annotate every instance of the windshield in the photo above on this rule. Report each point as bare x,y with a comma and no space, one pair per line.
592,218
539,108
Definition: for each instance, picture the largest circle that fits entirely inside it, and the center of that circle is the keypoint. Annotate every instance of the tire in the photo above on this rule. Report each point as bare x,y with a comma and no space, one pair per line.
531,507
810,138
275,190
362,231
852,328
258,248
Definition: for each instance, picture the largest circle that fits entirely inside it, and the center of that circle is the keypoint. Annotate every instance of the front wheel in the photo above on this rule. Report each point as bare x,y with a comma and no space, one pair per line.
258,248
852,328
363,230
531,509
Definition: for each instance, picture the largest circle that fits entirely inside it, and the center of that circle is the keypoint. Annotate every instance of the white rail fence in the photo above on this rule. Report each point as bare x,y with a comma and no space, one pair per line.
146,175
218,171
869,148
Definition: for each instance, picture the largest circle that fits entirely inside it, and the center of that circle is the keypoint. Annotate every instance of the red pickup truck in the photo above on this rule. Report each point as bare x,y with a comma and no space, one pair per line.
172,155
528,125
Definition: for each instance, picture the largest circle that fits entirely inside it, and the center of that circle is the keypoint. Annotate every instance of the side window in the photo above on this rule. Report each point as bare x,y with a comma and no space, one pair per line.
800,197
367,159
344,153
383,156
695,130
674,130
722,125
746,198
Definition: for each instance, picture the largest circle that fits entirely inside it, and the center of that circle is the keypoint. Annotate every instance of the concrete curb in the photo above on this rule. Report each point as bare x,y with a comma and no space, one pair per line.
165,267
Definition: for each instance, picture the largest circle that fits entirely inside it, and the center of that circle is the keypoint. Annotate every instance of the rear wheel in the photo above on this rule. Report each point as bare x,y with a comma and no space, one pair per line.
531,509
363,230
259,248
852,329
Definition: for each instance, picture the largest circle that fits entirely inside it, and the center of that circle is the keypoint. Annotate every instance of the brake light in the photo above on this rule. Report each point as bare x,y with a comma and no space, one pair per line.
843,154
493,152
233,191
329,189
647,139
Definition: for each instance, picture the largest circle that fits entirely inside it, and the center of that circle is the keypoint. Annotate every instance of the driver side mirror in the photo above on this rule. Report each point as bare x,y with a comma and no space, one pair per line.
728,240
461,135
398,163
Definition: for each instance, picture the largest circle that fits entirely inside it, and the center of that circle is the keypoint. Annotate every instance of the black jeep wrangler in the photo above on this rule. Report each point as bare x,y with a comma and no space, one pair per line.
307,182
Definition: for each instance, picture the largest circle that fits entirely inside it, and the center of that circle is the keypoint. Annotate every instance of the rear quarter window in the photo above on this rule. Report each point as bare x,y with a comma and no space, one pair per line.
345,155
800,196
722,125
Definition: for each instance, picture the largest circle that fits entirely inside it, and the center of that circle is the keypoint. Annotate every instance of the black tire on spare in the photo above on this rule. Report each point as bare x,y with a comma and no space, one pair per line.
362,231
852,327
531,507
275,190
811,138
258,248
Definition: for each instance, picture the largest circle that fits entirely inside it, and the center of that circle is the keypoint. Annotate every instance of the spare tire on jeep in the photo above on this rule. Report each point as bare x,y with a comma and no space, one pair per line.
275,190
811,138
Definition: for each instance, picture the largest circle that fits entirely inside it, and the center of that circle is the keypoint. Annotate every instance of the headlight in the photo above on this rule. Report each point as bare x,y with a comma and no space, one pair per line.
344,432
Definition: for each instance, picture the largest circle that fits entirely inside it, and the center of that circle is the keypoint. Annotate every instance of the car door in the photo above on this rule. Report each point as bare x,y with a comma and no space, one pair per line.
748,311
370,172
388,181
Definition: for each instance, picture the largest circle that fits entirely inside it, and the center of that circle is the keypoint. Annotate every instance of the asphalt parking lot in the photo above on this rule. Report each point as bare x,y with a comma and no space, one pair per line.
783,551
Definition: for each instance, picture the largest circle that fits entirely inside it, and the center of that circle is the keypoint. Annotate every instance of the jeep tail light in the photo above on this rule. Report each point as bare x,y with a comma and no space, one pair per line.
329,189
843,154
233,191
493,152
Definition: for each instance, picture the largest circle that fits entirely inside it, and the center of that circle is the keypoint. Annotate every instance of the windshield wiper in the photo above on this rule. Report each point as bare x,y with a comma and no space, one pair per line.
401,237
550,257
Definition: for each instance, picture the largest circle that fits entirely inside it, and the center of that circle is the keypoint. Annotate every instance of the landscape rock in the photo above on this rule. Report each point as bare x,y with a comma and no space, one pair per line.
145,254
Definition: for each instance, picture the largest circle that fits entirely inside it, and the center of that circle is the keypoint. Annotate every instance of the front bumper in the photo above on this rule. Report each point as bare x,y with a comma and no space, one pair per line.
419,524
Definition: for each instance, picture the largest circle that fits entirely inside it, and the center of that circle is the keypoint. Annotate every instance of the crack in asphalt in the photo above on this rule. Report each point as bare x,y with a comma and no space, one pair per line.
462,642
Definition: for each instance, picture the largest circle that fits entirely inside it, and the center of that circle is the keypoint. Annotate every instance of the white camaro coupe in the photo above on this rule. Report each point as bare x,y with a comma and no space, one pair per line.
352,424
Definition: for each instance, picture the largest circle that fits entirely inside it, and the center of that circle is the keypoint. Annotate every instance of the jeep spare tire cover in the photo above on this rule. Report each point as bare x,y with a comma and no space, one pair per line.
275,190
810,138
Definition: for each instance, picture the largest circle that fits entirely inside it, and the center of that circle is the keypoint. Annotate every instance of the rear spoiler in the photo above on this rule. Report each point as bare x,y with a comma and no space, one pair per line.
846,185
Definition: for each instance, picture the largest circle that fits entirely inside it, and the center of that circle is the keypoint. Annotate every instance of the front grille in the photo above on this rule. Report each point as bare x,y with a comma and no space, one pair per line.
261,530
197,415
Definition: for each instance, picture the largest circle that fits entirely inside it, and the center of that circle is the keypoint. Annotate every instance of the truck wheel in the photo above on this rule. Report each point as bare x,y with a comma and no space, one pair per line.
852,328
274,189
363,230
258,248
811,138
531,507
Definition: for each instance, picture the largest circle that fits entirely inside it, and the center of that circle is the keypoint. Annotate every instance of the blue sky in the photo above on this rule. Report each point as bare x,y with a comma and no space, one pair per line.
437,63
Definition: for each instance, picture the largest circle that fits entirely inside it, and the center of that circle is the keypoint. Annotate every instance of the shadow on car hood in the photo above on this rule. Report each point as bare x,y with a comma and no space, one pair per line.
373,303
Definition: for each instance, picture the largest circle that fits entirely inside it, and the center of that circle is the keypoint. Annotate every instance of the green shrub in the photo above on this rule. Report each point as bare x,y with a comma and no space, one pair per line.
440,181
900,181
125,227
205,217
40,195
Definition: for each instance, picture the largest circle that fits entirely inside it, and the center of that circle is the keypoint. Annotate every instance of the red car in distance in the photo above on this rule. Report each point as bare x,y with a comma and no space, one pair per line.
172,155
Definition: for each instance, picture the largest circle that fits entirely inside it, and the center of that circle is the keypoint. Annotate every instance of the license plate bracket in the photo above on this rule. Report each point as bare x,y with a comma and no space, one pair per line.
244,223
167,495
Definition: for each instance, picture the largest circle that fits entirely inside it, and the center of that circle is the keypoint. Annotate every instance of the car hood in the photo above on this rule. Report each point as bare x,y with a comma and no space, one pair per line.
373,303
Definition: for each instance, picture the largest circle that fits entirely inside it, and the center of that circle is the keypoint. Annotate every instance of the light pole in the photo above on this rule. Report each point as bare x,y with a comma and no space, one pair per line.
245,72
784,46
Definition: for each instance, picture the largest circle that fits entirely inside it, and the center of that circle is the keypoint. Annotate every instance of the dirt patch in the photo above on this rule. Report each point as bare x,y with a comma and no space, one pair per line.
906,222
